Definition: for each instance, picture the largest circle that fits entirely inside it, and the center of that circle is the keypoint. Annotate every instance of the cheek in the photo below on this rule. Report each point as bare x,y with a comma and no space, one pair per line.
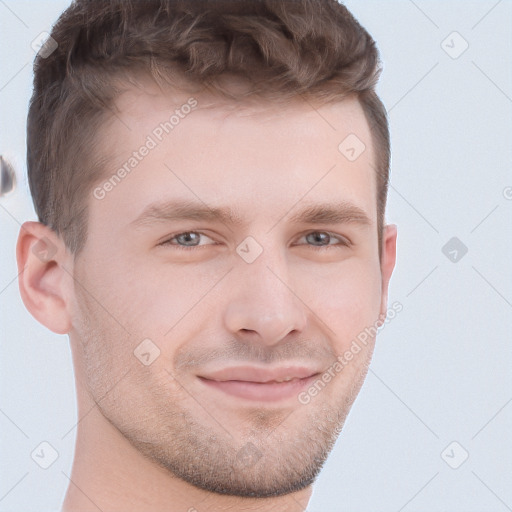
154,298
347,299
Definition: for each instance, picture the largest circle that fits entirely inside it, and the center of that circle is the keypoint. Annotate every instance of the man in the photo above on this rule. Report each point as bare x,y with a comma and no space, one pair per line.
210,179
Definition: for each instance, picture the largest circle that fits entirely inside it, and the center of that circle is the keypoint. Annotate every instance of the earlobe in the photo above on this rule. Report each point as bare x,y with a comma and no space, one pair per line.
42,276
388,260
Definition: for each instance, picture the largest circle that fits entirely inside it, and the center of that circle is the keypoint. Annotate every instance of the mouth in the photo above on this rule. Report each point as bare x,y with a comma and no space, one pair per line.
261,385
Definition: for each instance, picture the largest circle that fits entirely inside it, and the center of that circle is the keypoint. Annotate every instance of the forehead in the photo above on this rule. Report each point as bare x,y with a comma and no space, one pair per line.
143,100
256,156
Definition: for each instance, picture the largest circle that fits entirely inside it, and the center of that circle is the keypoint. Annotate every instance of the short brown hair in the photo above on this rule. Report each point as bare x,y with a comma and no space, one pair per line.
283,48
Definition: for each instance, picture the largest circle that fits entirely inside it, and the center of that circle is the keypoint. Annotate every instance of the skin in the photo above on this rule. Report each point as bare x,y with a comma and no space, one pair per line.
156,437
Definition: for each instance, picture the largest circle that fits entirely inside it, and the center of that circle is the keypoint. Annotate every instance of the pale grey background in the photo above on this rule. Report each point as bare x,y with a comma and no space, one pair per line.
440,371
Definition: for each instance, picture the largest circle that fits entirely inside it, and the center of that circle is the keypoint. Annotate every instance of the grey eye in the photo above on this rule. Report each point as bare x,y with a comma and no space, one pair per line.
189,239
317,237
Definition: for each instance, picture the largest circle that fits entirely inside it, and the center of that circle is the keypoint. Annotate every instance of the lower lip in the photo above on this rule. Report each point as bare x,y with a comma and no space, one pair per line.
266,392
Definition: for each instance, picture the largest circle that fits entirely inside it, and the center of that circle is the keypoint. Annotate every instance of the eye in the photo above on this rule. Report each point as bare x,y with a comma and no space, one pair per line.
317,239
185,240
322,239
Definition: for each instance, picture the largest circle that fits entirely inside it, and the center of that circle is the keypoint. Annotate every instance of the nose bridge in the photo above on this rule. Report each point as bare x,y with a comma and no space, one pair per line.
261,303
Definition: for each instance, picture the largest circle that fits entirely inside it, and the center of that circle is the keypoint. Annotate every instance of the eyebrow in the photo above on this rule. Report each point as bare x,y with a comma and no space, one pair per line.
184,210
329,213
321,213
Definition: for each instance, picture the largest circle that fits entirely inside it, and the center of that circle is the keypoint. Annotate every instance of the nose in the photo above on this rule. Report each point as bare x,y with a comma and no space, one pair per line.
263,305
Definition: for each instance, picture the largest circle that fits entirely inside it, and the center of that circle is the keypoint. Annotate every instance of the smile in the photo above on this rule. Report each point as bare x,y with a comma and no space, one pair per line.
263,385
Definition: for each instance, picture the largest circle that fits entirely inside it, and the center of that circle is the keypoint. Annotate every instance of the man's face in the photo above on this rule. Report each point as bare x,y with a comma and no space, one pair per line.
221,313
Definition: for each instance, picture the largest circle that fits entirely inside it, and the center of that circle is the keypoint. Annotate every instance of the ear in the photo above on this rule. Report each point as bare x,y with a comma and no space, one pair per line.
387,264
44,279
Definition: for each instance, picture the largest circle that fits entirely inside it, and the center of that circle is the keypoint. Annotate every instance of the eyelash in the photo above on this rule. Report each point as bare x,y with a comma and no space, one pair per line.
343,242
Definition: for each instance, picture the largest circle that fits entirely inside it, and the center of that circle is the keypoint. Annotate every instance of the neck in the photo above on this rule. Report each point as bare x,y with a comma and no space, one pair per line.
110,475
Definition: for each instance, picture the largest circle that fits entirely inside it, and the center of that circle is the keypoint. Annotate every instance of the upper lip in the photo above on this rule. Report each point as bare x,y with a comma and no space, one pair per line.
255,374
